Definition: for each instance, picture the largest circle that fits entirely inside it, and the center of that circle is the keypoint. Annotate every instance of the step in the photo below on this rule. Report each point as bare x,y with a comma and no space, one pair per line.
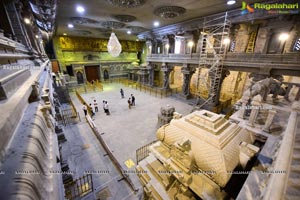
295,182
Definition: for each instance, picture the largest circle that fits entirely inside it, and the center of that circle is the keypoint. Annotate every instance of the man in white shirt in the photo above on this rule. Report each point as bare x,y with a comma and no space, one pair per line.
84,108
96,105
106,108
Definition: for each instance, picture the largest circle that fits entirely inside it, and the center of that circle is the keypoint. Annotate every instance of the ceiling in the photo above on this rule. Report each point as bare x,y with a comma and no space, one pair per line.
100,18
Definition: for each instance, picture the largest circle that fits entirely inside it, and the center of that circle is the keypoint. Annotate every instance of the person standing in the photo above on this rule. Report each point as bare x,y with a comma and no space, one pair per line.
92,110
106,108
96,105
103,104
129,103
122,93
84,108
132,100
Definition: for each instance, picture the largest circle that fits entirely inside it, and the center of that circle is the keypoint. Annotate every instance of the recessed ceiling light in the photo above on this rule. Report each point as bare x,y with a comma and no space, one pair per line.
70,25
128,32
231,2
80,9
64,34
156,24
27,21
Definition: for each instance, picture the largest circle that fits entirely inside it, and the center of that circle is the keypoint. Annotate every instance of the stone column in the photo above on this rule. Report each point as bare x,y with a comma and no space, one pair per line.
187,72
12,10
256,103
143,75
271,115
267,41
150,69
149,47
166,69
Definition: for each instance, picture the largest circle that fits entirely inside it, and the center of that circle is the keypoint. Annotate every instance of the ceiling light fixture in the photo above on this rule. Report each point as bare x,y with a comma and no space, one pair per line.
126,3
114,47
283,36
80,9
70,26
231,2
156,23
226,41
27,21
169,12
190,43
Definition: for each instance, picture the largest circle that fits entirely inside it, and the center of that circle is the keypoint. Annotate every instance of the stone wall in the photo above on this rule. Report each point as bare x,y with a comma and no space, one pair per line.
241,39
69,53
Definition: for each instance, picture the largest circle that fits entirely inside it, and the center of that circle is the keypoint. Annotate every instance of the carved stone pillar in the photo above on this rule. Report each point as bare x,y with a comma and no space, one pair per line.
187,72
271,115
150,69
166,69
143,75
149,47
15,21
268,38
255,105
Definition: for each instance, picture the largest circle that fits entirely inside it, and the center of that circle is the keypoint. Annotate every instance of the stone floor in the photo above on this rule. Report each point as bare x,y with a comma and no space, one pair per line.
124,131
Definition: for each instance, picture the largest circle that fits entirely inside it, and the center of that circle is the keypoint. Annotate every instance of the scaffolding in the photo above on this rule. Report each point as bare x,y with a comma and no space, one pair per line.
212,53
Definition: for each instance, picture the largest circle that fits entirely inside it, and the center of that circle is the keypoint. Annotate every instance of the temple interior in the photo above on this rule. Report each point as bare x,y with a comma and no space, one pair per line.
149,100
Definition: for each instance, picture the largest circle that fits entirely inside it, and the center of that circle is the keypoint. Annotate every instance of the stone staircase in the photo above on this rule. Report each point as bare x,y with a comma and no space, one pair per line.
293,184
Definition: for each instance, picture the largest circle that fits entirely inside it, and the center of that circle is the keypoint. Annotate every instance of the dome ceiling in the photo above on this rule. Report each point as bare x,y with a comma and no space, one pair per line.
121,16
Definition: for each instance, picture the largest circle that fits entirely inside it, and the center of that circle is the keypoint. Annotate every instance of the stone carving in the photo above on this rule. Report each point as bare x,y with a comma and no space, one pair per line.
261,88
34,96
197,150
166,115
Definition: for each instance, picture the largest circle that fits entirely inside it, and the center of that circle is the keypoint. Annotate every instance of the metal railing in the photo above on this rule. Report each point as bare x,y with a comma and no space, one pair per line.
154,91
79,187
143,152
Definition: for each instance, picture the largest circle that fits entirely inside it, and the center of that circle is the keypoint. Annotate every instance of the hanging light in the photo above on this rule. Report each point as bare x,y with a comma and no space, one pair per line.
114,47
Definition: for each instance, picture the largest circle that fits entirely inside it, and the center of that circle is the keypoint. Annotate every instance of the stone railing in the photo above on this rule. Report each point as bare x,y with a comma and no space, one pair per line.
239,61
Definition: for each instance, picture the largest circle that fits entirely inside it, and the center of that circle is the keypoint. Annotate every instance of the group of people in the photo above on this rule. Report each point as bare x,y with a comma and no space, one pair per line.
94,107
131,101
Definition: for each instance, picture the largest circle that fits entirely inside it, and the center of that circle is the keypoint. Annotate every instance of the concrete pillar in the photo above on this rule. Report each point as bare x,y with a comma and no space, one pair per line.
255,105
271,115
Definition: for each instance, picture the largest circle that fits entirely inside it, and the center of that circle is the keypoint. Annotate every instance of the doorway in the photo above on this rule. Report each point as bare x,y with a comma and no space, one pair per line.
92,73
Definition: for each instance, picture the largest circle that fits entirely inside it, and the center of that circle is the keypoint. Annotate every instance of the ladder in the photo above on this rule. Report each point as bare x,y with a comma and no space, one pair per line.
252,39
212,53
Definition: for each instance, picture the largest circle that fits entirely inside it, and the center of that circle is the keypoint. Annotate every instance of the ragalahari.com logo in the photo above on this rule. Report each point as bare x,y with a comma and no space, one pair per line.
271,8
246,8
